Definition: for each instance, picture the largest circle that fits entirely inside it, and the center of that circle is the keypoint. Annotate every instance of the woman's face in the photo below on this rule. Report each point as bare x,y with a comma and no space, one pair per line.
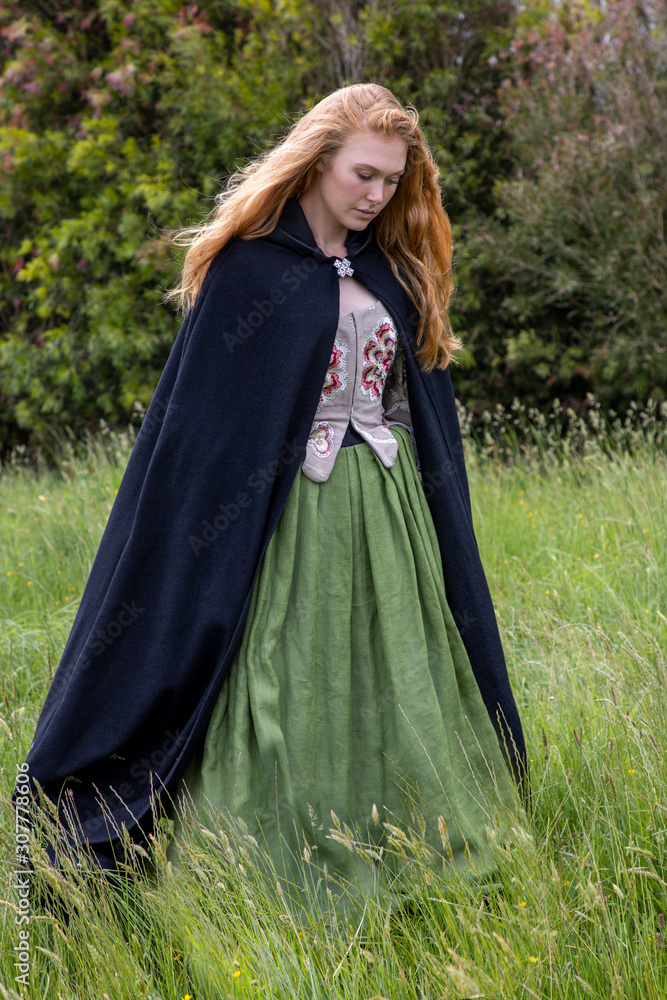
362,178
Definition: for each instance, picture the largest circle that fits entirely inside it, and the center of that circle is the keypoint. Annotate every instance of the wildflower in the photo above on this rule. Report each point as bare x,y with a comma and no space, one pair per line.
41,497
177,958
9,572
188,996
236,974
547,591
21,564
523,903
530,513
532,958
29,583
596,556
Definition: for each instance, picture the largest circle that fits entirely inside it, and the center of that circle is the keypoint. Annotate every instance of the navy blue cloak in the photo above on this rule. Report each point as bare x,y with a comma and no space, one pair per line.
164,608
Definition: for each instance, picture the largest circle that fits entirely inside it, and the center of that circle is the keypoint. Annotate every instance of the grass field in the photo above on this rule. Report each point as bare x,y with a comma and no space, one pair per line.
575,549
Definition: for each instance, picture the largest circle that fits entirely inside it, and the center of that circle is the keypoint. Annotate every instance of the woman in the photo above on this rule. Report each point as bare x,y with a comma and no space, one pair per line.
287,613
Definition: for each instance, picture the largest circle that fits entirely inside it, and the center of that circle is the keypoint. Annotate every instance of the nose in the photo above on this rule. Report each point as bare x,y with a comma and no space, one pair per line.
376,193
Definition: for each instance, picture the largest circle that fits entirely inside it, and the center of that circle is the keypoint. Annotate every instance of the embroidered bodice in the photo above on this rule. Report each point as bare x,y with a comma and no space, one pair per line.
365,385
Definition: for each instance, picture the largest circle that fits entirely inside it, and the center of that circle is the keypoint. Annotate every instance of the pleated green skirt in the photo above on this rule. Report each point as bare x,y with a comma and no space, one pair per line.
351,700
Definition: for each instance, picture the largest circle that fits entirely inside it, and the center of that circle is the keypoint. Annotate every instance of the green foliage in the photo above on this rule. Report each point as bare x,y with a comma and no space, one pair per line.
119,120
575,252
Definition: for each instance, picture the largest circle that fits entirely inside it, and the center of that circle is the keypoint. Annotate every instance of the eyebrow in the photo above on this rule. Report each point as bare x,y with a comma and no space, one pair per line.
376,171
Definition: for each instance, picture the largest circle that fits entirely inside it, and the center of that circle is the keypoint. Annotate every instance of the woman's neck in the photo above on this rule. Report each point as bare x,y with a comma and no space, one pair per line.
330,243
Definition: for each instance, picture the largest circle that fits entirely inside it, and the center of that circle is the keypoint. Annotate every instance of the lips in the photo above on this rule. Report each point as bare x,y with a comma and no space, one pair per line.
364,212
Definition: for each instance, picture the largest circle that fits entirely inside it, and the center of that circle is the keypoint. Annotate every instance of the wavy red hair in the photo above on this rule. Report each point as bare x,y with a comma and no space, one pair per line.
413,229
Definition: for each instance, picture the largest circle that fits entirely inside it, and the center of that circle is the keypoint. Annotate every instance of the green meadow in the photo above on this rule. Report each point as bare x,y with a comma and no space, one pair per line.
573,535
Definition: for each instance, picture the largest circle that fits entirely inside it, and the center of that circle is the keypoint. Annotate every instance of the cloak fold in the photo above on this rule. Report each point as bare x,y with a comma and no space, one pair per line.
163,611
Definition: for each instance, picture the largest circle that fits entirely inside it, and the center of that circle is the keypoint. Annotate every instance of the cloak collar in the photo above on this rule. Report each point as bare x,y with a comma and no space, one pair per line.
293,231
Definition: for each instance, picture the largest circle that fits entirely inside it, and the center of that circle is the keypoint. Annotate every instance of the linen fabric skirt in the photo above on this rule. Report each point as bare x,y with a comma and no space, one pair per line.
351,701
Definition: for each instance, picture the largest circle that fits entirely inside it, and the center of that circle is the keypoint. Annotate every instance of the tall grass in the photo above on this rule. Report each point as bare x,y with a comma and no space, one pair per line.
573,534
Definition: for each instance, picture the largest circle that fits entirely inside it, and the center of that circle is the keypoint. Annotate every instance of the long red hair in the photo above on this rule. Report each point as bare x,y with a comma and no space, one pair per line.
412,230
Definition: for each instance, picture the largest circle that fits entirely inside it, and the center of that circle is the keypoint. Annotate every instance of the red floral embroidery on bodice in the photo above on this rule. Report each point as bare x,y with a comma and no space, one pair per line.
336,378
379,350
321,438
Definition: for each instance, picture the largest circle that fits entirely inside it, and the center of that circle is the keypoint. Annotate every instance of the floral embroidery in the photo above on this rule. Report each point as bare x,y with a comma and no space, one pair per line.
321,438
336,378
378,355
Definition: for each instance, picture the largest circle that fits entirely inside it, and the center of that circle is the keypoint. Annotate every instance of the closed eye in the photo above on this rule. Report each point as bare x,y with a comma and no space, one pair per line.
367,177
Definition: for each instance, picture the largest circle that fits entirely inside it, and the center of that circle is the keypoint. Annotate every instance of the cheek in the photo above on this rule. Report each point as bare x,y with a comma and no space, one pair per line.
345,187
354,187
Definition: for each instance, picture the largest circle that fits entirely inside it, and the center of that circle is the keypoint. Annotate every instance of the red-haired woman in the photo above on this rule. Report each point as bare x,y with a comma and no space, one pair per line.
310,630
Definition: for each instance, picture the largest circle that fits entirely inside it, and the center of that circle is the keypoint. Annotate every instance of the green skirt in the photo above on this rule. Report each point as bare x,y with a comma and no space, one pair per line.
351,710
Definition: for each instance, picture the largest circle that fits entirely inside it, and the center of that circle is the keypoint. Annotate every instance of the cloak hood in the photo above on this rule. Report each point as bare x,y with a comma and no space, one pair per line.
163,611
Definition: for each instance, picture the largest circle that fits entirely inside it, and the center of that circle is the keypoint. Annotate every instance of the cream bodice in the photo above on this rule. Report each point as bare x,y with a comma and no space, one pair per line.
365,384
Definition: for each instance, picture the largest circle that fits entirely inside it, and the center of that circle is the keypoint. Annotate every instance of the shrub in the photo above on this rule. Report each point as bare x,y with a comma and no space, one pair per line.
575,251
